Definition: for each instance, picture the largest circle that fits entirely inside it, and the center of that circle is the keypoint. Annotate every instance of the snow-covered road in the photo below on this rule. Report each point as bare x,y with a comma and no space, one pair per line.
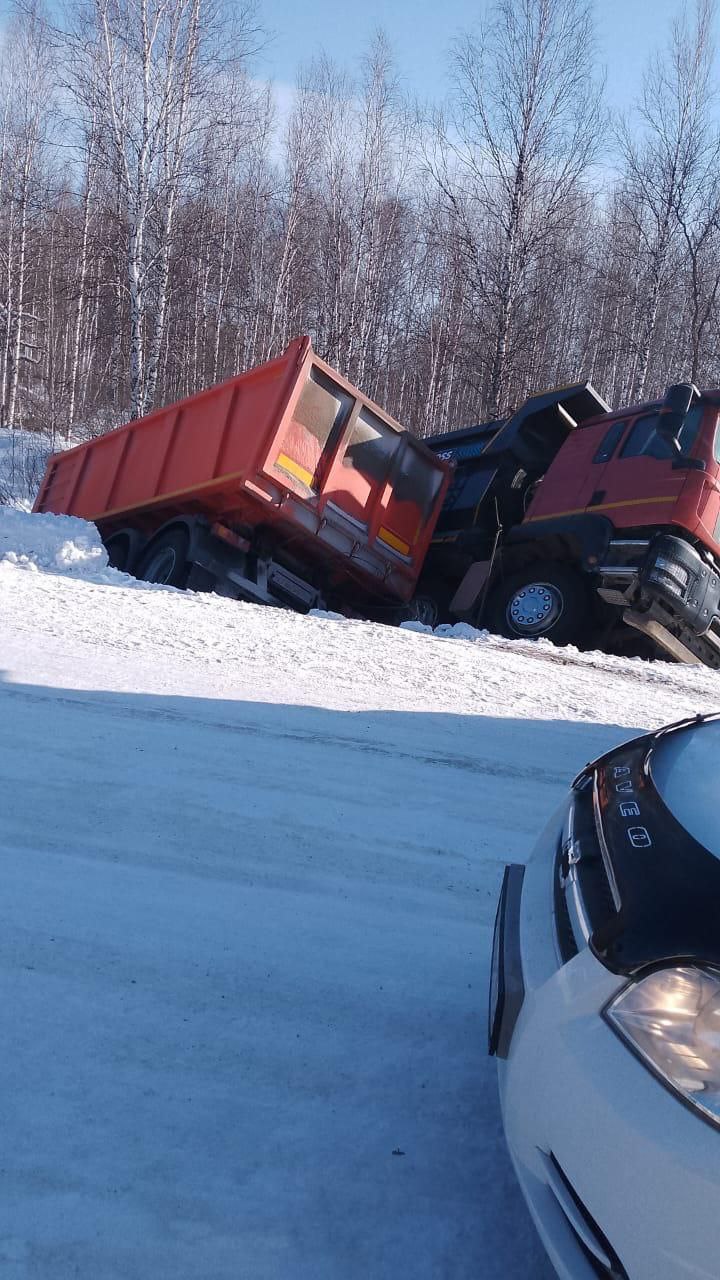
249,867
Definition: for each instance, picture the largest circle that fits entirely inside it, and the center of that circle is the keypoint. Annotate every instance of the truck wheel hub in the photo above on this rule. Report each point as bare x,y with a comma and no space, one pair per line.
534,608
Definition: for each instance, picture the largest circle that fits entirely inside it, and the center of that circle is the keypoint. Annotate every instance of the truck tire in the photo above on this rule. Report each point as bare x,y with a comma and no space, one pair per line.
165,559
420,609
545,600
123,548
118,550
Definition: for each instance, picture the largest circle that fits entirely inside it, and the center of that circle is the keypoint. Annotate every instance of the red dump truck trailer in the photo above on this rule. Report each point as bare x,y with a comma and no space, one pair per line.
283,485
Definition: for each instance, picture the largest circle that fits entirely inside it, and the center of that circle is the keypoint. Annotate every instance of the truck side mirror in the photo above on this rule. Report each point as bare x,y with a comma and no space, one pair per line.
674,410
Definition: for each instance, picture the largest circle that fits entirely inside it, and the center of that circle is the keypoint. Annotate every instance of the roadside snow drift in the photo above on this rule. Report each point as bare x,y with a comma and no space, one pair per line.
249,864
56,543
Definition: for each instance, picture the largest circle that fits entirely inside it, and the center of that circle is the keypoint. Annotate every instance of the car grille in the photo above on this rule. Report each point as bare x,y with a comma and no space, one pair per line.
582,896
564,935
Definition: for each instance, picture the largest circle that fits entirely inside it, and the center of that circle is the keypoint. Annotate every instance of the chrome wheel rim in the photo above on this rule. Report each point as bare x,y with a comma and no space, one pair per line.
534,608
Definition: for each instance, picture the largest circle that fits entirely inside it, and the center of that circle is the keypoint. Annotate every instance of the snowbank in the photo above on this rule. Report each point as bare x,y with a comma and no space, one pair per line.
57,544
65,546
447,630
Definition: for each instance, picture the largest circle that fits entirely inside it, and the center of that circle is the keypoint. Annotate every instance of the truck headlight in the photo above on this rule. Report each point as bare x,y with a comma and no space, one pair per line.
669,569
671,1018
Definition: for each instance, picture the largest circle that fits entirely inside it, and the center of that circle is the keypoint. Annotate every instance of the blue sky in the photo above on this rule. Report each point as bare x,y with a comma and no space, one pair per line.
421,33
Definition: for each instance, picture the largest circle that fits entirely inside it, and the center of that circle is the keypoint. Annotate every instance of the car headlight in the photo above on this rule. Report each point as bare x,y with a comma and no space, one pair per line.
671,1018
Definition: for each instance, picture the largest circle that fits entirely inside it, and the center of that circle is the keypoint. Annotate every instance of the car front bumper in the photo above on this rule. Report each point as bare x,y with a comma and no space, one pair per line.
621,1179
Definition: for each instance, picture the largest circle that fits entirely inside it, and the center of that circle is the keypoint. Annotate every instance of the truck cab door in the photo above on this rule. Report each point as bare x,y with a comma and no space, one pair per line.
575,480
639,485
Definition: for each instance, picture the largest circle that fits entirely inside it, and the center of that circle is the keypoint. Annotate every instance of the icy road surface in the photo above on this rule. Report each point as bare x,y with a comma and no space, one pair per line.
249,870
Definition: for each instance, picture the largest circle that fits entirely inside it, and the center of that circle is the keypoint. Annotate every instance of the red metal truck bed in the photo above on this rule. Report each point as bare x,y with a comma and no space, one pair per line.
290,447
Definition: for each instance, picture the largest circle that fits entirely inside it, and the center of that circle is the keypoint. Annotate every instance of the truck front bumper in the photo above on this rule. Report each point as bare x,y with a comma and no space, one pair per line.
678,601
688,586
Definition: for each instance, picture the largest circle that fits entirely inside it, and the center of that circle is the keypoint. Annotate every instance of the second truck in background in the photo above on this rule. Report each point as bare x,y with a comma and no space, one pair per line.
577,523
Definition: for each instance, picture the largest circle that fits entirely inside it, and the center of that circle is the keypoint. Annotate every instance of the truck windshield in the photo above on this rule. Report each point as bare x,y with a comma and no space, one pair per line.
645,442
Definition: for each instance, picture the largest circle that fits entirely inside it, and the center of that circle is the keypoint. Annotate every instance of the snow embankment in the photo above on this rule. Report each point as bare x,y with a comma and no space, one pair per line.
273,655
57,544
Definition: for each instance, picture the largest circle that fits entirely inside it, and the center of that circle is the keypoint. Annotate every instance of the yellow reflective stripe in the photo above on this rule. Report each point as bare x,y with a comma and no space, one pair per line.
294,469
392,540
602,506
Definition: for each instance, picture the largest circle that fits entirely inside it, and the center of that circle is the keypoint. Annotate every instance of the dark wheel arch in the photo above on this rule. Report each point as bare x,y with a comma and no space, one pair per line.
583,539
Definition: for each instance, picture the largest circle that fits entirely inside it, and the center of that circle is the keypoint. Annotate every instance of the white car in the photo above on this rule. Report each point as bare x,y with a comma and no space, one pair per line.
605,1014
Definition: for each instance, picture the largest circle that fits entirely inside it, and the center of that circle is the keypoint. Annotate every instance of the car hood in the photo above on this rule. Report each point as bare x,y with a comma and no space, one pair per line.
686,773
654,802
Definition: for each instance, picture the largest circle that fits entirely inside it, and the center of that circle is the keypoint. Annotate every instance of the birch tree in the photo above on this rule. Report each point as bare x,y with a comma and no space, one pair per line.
154,73
518,141
168,237
27,72
670,152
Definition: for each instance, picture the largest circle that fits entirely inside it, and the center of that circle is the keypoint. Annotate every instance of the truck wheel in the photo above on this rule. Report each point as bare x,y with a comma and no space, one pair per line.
548,600
165,560
123,548
118,550
421,609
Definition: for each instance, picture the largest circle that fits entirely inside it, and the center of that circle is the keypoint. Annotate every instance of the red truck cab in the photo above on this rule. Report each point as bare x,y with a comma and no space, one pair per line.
572,521
621,466
643,506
